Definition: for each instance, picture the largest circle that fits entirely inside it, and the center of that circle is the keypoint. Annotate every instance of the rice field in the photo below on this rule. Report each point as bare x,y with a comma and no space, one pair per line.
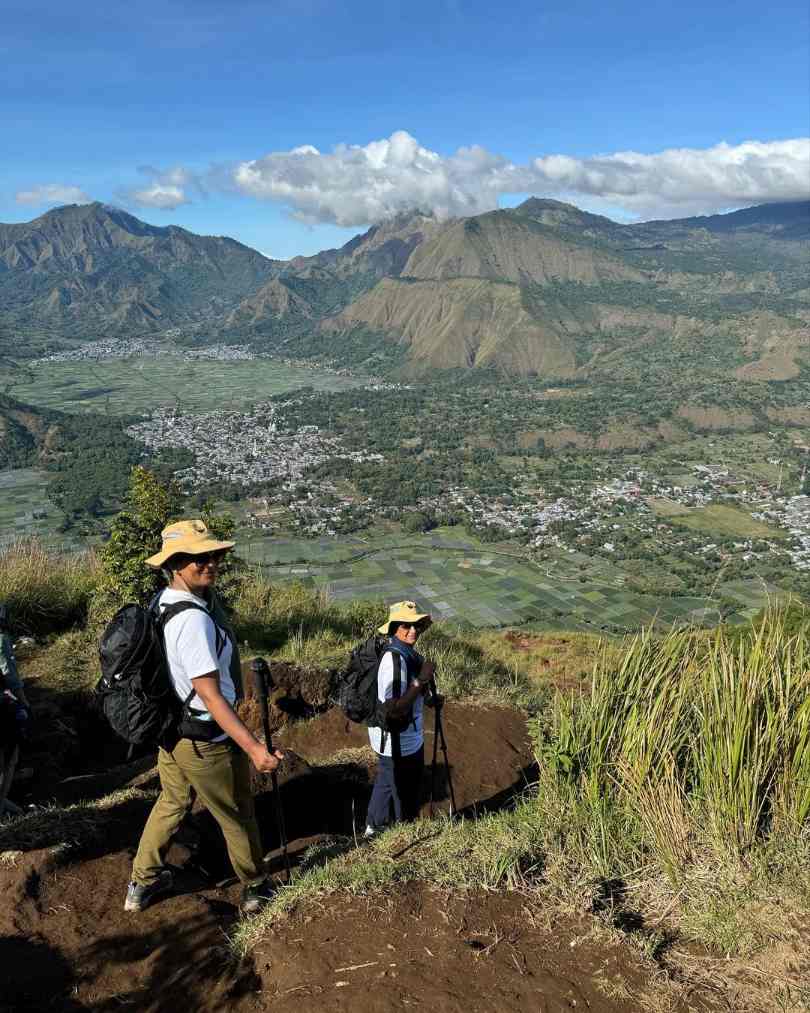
26,512
140,384
457,577
460,579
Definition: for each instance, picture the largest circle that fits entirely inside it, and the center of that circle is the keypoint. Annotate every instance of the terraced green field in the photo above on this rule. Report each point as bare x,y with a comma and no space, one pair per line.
460,579
454,576
26,512
141,384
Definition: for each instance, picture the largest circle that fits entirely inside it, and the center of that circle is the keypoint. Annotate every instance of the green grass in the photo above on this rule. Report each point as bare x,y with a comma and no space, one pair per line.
674,784
139,385
718,519
66,830
673,801
695,742
45,591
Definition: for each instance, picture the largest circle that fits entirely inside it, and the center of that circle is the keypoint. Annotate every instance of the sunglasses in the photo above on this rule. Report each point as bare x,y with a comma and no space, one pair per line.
206,558
413,626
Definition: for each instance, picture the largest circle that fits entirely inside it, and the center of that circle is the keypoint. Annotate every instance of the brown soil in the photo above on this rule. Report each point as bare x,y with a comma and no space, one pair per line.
559,661
419,948
489,750
67,944
710,419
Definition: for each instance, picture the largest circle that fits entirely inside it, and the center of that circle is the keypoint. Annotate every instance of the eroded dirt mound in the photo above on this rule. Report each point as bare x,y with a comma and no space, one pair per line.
295,693
70,947
67,944
489,751
427,950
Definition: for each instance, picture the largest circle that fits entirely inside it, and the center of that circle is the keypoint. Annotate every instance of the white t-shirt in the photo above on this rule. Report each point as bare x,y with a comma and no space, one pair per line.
410,738
191,651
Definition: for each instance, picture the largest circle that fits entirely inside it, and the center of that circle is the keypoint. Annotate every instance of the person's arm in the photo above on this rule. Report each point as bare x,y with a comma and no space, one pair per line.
399,707
207,689
195,641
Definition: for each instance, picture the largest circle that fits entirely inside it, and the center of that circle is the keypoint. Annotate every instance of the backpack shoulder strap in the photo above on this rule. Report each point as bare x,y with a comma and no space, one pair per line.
396,748
397,688
170,611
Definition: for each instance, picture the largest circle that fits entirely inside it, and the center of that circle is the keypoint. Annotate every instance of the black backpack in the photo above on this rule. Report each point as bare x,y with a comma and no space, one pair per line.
136,692
355,688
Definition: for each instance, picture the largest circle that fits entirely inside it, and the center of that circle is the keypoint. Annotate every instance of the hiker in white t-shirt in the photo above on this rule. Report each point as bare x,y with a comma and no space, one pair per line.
212,755
403,681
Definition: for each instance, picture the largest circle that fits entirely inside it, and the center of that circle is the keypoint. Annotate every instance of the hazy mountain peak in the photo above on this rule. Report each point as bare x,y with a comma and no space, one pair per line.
558,213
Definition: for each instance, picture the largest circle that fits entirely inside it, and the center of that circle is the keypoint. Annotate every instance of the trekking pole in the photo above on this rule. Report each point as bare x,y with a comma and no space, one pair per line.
261,679
438,736
435,753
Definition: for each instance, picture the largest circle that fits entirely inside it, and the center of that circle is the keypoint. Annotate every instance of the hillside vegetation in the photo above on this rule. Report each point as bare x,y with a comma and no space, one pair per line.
672,799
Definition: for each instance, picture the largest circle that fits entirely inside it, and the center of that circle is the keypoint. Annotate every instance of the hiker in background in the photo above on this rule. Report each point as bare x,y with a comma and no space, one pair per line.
212,754
15,713
403,681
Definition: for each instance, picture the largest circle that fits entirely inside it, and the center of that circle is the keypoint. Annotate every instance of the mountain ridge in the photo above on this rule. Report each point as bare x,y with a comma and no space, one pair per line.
581,285
91,266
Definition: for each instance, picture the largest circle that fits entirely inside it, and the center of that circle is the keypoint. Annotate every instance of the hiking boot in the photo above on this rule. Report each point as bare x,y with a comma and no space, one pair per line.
369,832
140,897
255,897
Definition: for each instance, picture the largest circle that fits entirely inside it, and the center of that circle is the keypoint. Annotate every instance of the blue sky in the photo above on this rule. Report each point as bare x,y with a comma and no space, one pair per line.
169,109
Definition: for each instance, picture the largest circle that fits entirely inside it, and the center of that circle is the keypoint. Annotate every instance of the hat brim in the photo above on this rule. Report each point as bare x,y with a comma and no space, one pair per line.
385,629
195,548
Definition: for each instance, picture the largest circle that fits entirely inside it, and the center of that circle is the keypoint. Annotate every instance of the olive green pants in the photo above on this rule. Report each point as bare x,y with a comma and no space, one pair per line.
220,775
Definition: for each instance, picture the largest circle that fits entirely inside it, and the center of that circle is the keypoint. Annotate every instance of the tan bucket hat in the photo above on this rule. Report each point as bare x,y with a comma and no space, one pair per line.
189,537
404,612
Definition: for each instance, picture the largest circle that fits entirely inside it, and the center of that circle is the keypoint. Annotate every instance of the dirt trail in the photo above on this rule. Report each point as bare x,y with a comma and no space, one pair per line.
67,945
489,751
422,949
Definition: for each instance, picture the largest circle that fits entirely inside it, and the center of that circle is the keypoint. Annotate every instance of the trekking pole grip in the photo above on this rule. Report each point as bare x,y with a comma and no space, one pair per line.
260,671
261,677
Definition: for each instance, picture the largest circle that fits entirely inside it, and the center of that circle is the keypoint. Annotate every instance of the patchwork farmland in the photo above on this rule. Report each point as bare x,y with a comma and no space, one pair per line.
470,583
139,385
26,512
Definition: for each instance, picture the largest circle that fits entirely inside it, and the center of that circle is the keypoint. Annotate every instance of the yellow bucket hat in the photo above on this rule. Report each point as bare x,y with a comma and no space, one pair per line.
189,537
404,612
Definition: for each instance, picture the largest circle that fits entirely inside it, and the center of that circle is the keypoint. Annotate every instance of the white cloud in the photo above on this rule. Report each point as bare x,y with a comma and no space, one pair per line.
53,193
686,180
357,185
166,189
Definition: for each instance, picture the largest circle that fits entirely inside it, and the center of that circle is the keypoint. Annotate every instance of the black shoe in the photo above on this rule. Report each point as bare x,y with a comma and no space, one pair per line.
138,897
254,898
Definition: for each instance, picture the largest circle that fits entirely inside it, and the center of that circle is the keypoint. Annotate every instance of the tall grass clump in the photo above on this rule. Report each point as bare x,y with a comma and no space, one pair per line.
46,592
688,744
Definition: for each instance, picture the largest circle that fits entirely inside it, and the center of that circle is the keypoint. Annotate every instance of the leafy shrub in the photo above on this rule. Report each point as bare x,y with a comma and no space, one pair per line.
135,535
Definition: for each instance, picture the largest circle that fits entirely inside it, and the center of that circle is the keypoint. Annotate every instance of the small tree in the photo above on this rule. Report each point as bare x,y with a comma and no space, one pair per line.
134,535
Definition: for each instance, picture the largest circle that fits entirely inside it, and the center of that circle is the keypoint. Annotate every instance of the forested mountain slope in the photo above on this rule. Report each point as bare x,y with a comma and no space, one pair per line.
541,288
88,271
